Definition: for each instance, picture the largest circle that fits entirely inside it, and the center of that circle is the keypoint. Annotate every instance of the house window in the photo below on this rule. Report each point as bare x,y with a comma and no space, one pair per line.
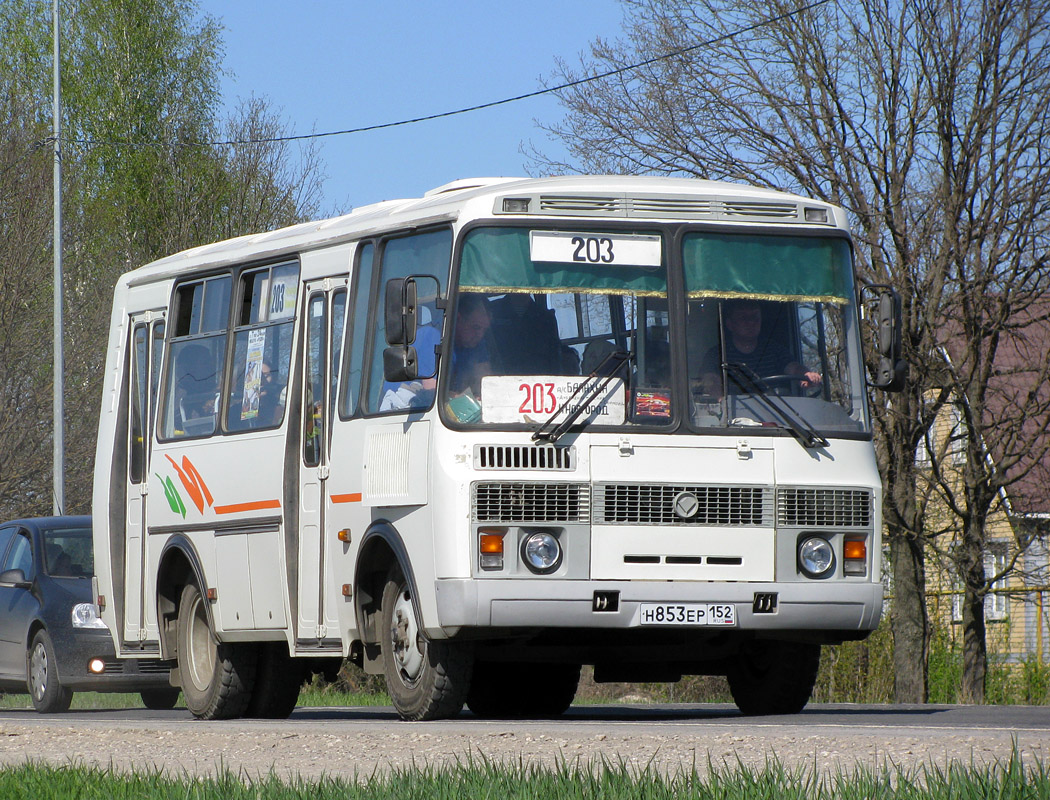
996,603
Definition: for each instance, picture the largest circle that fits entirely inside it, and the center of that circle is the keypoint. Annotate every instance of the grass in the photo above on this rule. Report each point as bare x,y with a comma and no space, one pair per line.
475,777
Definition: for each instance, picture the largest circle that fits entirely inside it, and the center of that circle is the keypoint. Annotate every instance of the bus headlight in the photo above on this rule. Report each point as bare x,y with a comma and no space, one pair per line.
86,616
541,552
815,556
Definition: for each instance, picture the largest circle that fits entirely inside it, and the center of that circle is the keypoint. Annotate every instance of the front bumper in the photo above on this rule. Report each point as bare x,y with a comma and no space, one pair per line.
815,606
75,649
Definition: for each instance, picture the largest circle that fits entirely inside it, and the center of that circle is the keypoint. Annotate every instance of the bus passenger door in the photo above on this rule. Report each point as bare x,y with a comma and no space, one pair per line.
317,624
147,339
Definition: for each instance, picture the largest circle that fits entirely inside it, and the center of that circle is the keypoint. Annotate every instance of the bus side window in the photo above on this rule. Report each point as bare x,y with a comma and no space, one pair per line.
358,330
420,254
194,364
262,347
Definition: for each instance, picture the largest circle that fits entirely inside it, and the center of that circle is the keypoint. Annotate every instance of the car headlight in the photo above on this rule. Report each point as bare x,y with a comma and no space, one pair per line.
541,552
85,615
815,556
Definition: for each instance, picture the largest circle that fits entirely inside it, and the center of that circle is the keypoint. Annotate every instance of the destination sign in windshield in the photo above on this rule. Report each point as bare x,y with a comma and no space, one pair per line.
609,249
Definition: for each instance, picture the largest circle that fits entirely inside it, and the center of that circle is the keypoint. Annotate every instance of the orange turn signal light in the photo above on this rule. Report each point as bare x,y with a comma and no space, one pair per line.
854,549
492,543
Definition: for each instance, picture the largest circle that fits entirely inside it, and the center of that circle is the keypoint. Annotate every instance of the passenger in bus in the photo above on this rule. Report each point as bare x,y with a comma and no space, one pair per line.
745,345
271,397
525,334
196,390
470,349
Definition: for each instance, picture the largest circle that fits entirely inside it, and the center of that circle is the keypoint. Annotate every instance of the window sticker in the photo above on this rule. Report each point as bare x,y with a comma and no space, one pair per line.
534,398
284,284
253,374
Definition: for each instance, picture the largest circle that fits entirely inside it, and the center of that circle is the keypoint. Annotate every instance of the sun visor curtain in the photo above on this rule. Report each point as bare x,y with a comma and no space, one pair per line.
768,267
497,260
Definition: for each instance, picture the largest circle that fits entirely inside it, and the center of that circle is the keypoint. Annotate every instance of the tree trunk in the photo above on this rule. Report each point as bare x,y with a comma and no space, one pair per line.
974,646
909,619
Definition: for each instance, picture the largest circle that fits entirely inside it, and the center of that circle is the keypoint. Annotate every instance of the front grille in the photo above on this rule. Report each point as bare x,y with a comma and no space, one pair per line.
543,457
529,502
648,504
824,508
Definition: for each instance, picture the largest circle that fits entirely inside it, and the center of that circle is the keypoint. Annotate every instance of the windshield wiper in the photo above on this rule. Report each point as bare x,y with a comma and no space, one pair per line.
746,379
591,387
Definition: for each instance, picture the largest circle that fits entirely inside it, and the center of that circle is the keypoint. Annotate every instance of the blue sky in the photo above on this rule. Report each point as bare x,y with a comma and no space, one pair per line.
330,65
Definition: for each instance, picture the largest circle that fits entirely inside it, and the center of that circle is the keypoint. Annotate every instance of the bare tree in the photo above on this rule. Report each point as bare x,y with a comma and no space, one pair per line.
880,106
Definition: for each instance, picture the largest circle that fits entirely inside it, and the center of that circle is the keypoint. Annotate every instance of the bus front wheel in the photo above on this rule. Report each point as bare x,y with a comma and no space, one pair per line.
217,677
773,677
426,679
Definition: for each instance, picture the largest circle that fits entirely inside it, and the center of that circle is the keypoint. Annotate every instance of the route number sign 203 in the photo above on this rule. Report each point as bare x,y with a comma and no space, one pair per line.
595,249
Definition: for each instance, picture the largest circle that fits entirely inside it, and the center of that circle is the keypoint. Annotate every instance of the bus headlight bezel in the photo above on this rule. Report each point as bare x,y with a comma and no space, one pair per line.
541,551
816,556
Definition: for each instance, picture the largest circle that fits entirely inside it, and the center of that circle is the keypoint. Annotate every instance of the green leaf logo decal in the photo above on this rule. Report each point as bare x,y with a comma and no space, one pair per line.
172,494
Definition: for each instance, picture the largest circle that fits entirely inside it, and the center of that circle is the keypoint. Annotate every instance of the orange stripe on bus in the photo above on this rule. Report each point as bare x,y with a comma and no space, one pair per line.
258,505
347,498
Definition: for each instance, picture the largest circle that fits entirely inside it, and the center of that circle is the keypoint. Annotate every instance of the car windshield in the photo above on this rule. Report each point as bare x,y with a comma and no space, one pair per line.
538,311
68,553
771,334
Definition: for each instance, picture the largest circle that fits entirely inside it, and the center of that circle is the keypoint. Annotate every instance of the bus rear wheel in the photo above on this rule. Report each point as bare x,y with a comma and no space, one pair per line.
771,677
425,679
217,677
502,690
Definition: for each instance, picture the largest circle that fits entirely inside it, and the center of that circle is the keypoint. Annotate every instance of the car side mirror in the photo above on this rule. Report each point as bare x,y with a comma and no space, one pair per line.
15,578
892,370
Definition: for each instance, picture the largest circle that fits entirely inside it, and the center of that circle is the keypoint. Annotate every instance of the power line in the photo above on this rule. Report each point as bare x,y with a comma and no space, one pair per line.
469,109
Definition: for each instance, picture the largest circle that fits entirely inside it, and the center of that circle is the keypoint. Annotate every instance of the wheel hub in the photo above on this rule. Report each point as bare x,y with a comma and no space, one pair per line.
38,671
408,649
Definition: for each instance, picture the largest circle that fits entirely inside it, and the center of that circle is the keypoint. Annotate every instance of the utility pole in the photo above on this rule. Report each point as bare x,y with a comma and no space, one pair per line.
58,503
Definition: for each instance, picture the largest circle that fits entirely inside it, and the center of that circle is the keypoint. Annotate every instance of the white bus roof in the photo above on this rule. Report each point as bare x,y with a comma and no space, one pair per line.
651,198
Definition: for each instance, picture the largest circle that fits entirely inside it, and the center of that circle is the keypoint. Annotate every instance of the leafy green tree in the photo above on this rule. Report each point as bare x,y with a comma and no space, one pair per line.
141,107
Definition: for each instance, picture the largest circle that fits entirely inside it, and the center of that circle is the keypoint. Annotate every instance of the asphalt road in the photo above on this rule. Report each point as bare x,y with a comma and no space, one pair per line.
357,741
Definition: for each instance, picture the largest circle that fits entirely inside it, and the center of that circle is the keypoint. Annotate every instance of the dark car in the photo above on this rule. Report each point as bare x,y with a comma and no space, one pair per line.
52,641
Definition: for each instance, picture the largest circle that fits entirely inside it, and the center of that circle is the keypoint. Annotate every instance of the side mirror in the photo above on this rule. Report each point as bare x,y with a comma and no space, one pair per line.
891,371
400,308
400,363
15,578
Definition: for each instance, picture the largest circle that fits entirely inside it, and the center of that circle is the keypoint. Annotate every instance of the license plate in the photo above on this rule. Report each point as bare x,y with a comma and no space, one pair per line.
687,614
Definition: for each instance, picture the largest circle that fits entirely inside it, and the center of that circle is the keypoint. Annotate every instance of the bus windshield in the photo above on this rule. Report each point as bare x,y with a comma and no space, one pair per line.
771,336
769,331
538,311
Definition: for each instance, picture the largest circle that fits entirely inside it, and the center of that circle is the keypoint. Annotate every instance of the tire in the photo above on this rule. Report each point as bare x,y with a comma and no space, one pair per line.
160,699
278,679
49,696
425,679
770,677
497,690
217,677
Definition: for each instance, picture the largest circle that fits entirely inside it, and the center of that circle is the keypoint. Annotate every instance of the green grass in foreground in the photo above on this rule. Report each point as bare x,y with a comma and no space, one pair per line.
609,780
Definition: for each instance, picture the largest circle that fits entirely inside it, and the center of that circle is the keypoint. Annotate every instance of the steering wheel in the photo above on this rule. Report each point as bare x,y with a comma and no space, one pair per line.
793,382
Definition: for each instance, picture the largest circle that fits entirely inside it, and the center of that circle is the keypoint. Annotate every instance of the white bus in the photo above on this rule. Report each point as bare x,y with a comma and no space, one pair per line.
475,440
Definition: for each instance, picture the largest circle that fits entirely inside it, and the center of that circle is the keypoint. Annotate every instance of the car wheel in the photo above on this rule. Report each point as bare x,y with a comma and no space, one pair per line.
49,696
425,679
217,677
160,699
